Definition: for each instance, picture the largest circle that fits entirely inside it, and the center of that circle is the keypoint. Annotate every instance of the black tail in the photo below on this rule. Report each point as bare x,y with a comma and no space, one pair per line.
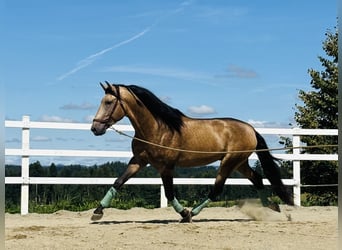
271,170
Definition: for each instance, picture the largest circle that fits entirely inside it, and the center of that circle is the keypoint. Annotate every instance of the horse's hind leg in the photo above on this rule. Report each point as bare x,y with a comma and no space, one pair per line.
256,179
227,166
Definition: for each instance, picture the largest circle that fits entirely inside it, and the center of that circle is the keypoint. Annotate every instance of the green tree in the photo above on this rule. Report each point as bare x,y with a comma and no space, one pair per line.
320,111
52,170
320,105
50,189
36,170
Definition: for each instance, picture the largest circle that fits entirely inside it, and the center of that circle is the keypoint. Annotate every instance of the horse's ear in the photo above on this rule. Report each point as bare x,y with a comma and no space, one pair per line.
108,84
103,86
108,89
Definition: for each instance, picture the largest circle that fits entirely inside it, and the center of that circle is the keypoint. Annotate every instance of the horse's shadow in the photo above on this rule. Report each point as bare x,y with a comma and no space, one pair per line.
165,221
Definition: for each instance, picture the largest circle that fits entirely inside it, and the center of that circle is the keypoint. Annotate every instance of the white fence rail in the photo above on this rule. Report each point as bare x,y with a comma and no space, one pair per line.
25,152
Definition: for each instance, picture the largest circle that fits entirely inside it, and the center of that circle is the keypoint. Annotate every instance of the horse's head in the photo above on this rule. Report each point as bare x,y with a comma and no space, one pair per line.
111,109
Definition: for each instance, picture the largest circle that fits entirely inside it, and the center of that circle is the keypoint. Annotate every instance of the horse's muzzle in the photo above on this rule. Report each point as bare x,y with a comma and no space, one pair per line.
98,129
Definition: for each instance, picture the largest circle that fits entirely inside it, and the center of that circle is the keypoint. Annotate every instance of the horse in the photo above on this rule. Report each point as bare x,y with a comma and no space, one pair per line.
166,138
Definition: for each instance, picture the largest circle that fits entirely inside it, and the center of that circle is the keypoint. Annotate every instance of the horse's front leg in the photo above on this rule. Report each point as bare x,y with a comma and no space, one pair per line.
132,169
167,178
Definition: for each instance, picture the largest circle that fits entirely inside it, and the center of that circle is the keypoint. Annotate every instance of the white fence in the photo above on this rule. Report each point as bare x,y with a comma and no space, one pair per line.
25,152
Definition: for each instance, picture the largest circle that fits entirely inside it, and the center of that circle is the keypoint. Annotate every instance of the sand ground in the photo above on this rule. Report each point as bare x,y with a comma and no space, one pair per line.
249,227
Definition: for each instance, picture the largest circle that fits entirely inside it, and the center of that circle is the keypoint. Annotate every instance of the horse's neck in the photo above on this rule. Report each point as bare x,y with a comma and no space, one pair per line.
142,121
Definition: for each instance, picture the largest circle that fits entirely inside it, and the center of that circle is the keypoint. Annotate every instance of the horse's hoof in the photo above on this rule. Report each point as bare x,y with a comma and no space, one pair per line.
187,218
98,214
274,207
96,217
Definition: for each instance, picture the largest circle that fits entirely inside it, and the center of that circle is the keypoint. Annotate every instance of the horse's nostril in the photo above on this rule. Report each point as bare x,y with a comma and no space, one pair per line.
93,129
98,130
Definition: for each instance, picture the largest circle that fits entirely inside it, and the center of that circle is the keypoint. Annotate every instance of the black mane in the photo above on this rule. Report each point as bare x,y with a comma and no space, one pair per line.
162,112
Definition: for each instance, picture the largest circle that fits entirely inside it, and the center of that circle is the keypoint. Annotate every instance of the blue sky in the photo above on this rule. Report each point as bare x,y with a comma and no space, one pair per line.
241,59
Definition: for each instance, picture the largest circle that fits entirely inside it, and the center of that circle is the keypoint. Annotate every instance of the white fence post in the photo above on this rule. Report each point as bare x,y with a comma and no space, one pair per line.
25,163
163,199
296,168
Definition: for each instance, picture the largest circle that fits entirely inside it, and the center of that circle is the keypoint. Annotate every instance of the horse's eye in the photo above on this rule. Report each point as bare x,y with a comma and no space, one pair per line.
108,103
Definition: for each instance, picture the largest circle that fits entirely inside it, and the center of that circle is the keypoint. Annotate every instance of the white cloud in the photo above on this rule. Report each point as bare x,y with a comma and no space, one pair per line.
235,71
53,118
83,106
201,110
267,124
257,124
40,138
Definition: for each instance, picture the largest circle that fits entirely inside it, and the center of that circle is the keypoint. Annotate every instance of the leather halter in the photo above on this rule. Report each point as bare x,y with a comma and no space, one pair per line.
118,100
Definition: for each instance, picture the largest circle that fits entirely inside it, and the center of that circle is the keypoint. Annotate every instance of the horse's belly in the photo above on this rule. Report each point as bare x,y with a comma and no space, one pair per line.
193,160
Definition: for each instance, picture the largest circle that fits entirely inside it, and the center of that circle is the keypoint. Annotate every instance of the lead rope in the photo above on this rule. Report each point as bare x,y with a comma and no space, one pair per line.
219,152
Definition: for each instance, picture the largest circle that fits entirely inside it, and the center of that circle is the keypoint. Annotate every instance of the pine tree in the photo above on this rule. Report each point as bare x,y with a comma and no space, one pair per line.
320,104
320,111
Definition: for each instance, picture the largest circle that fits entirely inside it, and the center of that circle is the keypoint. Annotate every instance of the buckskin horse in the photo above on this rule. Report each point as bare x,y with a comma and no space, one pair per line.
166,138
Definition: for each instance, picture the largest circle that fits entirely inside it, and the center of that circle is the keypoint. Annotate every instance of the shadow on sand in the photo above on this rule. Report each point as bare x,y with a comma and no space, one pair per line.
166,221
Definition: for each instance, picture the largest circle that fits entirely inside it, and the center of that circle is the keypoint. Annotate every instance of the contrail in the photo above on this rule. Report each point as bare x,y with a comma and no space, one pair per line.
90,59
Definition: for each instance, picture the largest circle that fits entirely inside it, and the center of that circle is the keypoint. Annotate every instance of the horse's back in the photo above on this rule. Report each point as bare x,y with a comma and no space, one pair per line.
219,136
219,130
